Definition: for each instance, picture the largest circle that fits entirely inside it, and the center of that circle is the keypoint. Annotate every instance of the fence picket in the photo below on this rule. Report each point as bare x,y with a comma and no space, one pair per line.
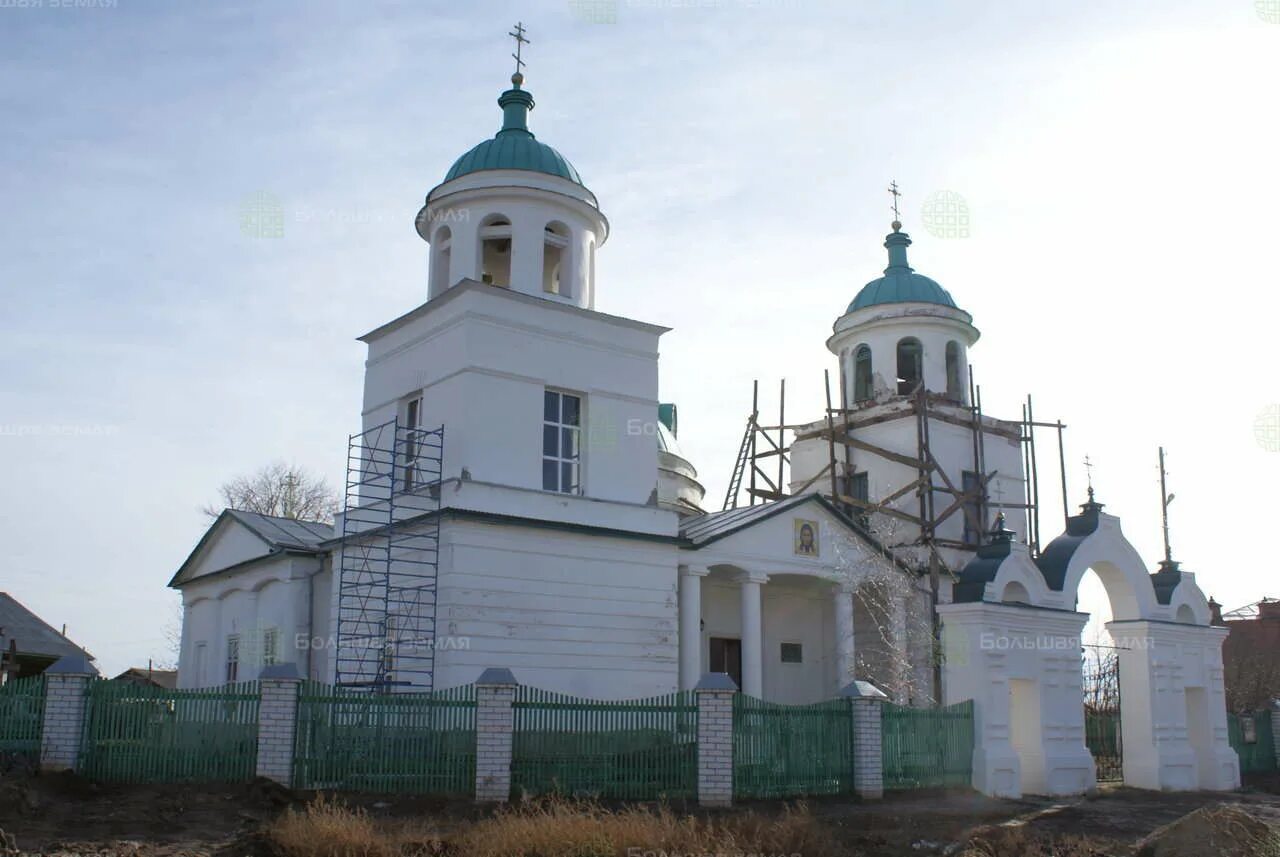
638,749
927,747
22,717
138,734
791,750
422,743
1259,755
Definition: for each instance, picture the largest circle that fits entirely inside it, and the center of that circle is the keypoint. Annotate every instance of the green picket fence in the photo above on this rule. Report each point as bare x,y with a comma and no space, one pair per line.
788,750
136,734
1257,755
22,716
638,749
421,743
927,747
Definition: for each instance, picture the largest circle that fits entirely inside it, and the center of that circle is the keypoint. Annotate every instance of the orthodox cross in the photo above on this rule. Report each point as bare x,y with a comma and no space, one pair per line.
1088,469
893,190
521,41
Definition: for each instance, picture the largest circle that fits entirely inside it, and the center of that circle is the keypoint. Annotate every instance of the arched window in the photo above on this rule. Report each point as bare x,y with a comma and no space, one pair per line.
1185,615
862,387
954,388
1015,593
910,354
441,255
495,250
555,259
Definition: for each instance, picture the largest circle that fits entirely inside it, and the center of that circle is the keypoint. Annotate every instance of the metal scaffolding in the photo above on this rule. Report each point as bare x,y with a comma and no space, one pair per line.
389,564
765,456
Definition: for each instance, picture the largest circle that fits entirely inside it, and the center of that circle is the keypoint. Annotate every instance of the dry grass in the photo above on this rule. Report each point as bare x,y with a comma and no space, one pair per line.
1018,840
550,828
557,828
328,828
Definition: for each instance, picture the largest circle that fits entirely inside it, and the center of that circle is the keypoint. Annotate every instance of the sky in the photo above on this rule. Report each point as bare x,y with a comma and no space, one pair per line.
1118,162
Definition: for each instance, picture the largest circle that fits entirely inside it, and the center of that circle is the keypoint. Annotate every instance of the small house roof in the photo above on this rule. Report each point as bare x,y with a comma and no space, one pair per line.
33,635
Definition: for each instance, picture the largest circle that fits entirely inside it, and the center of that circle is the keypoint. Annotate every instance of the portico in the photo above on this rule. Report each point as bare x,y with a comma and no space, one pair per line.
766,594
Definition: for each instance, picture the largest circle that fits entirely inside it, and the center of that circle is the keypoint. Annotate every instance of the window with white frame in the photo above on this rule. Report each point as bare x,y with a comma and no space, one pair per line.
561,442
410,441
233,658
201,657
270,647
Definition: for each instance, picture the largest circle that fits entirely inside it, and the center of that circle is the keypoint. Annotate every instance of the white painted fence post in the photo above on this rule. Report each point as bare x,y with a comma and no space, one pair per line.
66,686
495,725
715,739
868,748
277,721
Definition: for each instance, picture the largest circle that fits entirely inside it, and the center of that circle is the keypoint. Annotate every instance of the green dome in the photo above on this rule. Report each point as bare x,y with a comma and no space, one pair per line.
900,284
514,147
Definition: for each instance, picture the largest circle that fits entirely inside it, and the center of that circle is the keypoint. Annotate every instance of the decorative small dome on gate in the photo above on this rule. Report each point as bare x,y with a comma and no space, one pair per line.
514,146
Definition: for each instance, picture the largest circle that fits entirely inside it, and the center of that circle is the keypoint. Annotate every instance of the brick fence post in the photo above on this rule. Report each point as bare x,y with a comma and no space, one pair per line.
65,702
277,721
715,739
865,700
495,725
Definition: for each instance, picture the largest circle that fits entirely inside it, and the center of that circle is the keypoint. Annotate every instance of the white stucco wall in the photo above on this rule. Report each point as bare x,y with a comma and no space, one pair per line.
273,594
565,611
482,358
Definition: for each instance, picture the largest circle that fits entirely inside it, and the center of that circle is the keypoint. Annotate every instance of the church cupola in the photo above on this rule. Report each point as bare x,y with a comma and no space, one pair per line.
902,331
514,213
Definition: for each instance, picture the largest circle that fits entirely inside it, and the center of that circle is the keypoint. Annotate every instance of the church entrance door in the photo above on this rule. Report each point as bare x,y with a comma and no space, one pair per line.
726,657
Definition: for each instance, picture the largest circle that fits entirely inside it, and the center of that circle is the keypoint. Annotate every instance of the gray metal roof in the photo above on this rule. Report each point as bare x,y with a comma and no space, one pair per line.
34,635
285,532
715,525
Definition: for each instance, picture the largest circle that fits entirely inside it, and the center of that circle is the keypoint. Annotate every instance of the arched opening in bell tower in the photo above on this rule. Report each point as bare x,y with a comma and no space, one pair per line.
862,386
495,250
441,258
910,369
955,389
555,259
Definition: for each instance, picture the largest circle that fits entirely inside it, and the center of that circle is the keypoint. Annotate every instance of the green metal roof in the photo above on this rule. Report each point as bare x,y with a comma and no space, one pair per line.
514,147
900,283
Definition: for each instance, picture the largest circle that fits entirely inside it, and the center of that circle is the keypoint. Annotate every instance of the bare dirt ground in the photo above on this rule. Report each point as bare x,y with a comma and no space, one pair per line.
65,814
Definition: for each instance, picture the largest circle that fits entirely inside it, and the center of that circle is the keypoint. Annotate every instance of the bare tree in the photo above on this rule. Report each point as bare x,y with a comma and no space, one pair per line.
280,489
886,593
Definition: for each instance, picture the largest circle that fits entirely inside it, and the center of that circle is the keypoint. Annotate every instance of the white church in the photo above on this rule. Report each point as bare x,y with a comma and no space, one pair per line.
517,498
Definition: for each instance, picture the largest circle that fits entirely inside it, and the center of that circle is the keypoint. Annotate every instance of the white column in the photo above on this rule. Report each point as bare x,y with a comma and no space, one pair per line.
690,625
845,652
752,635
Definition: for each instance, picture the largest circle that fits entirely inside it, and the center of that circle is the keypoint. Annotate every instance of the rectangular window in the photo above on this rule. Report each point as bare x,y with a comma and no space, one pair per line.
792,653
561,442
201,655
860,489
410,442
233,658
972,509
270,647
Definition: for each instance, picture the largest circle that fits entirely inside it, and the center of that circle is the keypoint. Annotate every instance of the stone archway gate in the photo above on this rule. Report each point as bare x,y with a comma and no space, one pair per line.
1011,642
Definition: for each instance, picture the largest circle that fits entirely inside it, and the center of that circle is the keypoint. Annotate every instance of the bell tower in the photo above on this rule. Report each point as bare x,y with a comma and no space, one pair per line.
513,212
902,331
